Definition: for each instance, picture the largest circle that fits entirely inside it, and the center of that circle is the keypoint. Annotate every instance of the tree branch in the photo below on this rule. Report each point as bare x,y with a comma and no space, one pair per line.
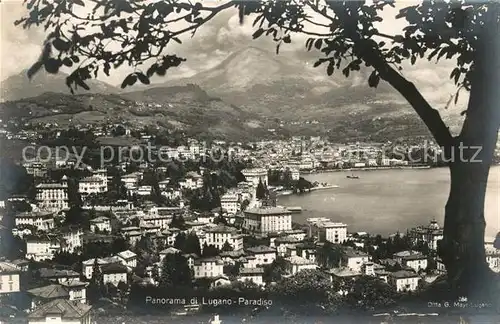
407,89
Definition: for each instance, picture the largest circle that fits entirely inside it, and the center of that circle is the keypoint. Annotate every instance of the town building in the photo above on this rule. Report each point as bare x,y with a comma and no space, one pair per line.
296,264
230,202
128,258
88,265
44,247
219,235
100,224
53,196
430,234
212,267
265,220
255,176
9,278
327,231
192,181
404,280
92,185
42,220
251,274
354,259
61,311
114,273
263,254
411,259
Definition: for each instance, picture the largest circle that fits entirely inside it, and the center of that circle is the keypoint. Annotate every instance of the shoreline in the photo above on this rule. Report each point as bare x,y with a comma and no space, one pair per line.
423,167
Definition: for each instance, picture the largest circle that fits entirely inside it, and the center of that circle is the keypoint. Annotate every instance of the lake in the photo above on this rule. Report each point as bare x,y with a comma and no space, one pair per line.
387,201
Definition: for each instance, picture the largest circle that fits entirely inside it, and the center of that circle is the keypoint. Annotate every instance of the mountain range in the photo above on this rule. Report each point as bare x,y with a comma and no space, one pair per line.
247,93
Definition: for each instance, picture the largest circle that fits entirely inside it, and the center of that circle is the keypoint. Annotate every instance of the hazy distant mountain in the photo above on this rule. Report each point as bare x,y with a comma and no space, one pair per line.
276,86
19,86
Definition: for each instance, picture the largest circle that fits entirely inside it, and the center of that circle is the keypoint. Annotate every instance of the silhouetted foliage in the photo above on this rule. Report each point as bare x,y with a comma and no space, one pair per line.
348,37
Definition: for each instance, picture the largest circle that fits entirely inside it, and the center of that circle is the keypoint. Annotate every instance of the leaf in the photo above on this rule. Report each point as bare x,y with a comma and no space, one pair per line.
374,79
258,33
346,71
106,68
330,68
177,40
34,69
79,2
413,59
434,52
152,69
143,78
82,84
443,51
61,45
287,39
67,62
318,43
129,80
75,59
52,65
456,96
309,43
318,63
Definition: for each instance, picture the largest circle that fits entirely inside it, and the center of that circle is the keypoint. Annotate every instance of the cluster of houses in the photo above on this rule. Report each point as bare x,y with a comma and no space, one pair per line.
65,298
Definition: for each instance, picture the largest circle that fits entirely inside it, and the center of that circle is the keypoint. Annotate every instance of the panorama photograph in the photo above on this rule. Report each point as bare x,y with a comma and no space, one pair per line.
217,161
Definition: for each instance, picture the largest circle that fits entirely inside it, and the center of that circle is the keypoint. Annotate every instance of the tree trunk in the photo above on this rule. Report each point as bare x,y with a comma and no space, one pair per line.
462,248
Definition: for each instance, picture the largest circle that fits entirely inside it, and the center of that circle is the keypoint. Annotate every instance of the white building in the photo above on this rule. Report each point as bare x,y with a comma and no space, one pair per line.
61,311
88,265
92,185
114,273
326,230
230,202
192,181
354,259
255,176
73,237
267,220
128,258
219,235
43,221
411,259
131,180
9,278
144,190
208,268
42,248
53,196
295,173
263,254
296,264
404,280
101,224
251,274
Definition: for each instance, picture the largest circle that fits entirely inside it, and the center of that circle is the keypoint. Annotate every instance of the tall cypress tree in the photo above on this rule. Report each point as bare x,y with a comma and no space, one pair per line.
261,191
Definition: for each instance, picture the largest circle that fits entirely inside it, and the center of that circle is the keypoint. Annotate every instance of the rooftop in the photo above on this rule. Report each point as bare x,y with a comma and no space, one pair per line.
268,211
68,310
404,274
49,292
251,271
6,267
261,249
222,229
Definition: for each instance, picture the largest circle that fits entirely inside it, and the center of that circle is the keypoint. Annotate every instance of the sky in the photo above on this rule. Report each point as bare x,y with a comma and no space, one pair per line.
212,44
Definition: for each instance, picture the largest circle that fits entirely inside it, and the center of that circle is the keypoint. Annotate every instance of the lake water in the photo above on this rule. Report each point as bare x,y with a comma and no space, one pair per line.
387,201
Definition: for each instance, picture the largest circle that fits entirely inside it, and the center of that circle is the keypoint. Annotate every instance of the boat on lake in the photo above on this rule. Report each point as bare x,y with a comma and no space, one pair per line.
352,176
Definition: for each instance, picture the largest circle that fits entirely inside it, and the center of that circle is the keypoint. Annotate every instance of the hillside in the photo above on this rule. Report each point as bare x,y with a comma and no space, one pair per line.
188,108
18,86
